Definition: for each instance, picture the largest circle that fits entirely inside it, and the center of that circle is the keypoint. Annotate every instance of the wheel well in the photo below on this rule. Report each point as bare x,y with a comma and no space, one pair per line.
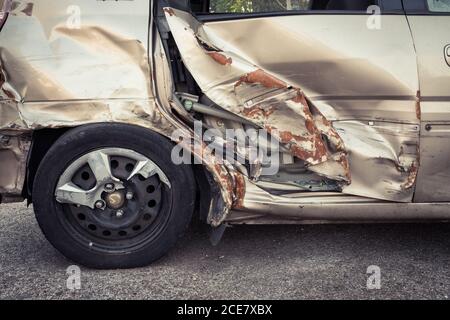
42,141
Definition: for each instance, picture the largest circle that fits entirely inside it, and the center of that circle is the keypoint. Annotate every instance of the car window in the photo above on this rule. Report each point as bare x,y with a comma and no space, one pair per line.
249,6
261,6
439,5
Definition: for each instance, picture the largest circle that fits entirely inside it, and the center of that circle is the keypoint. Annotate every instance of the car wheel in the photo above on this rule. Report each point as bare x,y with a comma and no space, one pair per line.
109,196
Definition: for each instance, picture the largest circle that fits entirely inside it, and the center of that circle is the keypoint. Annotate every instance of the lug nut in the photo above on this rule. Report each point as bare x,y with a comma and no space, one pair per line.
129,195
119,213
100,204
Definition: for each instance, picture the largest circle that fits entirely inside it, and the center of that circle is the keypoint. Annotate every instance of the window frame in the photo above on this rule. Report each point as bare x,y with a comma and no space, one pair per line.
388,7
421,8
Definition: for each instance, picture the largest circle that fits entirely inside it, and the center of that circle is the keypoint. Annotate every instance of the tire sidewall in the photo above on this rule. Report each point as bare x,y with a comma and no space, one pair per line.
80,141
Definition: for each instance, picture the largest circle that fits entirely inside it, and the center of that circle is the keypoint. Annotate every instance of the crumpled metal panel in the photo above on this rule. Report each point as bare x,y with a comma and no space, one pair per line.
375,146
332,55
45,58
54,74
259,76
260,97
62,70
229,181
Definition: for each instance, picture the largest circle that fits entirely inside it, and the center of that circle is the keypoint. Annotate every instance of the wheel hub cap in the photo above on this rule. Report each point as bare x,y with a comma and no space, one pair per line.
112,194
115,200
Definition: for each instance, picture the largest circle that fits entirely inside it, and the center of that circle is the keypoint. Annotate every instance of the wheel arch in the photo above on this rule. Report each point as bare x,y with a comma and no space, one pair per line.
41,142
44,139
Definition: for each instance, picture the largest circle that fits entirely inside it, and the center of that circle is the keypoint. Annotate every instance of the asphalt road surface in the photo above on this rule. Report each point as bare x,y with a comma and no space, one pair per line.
251,262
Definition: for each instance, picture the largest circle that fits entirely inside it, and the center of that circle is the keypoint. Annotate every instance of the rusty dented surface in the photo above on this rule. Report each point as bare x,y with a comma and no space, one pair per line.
46,64
266,100
55,74
58,69
418,107
336,139
389,150
230,181
226,177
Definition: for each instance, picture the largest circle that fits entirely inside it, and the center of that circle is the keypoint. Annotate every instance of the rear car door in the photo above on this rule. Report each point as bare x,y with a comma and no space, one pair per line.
430,26
357,70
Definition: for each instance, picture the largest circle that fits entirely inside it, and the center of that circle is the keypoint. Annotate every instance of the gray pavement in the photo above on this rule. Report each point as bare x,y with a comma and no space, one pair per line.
251,262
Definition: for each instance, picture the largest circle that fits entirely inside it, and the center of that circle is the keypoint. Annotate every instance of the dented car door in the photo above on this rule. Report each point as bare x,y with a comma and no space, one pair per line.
430,25
328,84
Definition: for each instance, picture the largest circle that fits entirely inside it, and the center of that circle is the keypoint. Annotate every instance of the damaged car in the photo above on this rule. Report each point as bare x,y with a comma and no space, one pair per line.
123,121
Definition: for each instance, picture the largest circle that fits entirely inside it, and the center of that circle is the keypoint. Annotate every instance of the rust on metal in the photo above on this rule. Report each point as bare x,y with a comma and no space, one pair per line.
220,58
261,77
240,188
413,172
342,159
220,174
308,145
328,135
309,149
257,111
47,92
261,97
418,107
412,177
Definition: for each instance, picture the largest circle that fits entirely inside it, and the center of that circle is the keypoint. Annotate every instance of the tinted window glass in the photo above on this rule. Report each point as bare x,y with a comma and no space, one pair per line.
255,6
260,6
439,5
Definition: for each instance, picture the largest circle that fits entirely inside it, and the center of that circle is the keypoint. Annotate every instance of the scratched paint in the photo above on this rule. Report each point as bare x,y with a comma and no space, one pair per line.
53,76
275,106
313,132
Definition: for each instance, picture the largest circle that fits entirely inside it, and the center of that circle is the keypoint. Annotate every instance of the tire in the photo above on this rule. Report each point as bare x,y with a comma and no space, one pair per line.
90,248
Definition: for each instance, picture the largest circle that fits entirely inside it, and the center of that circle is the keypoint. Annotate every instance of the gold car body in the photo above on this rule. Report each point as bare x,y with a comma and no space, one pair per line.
381,97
